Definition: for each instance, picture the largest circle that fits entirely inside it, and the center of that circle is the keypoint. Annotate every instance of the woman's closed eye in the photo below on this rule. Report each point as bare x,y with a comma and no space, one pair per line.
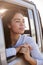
17,21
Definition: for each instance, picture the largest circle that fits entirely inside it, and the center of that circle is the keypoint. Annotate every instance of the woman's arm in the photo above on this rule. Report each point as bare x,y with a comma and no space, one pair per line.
26,51
12,51
35,53
36,58
31,60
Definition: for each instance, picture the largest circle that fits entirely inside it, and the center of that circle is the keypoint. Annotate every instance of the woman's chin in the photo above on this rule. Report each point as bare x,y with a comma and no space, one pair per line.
22,32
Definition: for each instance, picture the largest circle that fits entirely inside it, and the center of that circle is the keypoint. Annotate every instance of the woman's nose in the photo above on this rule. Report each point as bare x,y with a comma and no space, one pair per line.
22,22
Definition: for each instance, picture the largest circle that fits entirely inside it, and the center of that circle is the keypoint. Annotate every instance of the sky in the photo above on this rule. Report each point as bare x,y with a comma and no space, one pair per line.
39,5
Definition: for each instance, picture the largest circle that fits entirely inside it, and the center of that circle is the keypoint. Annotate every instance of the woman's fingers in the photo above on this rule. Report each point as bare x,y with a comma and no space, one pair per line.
27,45
25,51
26,48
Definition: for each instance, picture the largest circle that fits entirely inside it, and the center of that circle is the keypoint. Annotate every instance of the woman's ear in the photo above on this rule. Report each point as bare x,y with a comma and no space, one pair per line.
9,26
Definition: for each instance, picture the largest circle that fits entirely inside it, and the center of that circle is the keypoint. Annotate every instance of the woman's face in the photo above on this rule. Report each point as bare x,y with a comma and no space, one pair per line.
17,24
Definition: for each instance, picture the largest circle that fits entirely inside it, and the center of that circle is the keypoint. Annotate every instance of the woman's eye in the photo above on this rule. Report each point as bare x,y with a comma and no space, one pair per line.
17,21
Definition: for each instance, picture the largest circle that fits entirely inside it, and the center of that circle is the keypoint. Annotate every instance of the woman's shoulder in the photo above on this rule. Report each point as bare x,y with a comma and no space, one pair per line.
27,38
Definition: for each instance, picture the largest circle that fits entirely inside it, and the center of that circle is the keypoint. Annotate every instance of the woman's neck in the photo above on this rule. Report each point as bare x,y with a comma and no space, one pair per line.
14,38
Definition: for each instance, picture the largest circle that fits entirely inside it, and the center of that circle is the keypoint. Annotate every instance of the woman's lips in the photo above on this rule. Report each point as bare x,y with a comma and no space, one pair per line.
22,28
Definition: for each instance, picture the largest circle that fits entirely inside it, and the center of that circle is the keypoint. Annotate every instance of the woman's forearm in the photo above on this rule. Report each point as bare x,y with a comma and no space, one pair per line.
32,61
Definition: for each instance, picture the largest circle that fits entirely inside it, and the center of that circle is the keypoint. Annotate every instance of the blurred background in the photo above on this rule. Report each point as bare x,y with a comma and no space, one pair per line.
39,5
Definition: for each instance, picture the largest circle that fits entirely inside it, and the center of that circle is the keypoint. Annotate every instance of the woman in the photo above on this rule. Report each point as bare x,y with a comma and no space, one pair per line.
21,43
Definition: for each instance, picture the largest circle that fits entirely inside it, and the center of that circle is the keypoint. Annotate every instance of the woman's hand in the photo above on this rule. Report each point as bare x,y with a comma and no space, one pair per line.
25,49
18,49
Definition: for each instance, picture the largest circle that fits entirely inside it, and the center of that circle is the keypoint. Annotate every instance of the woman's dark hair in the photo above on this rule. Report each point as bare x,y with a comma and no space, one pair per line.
6,20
